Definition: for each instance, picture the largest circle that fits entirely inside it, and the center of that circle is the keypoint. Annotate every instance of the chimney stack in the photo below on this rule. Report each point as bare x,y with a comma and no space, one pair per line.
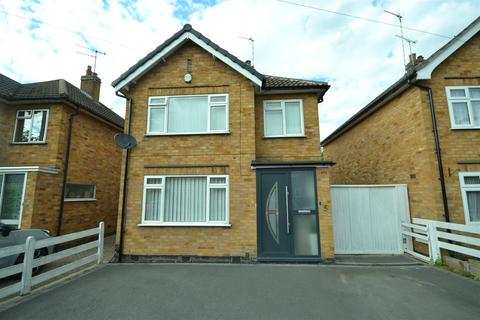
90,83
413,61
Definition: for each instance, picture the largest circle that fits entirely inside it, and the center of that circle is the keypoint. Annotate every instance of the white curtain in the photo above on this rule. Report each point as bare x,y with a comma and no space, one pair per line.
185,199
273,122
473,199
187,114
218,116
218,204
153,204
157,117
460,113
293,117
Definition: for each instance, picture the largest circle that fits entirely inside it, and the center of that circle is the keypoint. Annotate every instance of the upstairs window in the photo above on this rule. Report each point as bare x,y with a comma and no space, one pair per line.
283,118
30,126
464,107
470,185
188,114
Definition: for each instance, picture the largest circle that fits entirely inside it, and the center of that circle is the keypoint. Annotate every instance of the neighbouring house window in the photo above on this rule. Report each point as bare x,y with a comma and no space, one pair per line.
470,185
188,114
80,192
283,118
11,197
185,200
464,106
30,126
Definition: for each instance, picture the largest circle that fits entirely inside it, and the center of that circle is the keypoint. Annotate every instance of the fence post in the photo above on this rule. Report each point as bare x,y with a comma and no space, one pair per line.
27,266
101,230
433,241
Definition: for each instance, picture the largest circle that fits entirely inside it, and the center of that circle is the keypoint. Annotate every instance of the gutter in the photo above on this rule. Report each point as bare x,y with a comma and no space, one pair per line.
65,169
125,179
438,151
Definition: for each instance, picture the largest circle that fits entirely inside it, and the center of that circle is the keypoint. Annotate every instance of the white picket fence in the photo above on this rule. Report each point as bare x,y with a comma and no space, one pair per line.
29,262
436,235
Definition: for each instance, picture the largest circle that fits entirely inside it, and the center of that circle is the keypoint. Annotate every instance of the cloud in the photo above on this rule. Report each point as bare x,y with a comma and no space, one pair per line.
359,58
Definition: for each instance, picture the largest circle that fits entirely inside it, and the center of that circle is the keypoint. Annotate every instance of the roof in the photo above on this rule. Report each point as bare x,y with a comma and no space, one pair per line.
188,33
422,71
60,89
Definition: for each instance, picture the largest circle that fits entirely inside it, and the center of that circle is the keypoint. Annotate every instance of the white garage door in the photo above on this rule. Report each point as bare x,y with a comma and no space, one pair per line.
367,218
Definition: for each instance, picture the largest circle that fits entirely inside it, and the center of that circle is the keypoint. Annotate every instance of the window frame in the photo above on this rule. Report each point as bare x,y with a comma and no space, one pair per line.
466,99
208,222
81,199
17,222
284,119
16,124
165,120
464,188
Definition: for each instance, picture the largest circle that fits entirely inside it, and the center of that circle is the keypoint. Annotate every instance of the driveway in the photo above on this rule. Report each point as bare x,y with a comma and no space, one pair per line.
201,291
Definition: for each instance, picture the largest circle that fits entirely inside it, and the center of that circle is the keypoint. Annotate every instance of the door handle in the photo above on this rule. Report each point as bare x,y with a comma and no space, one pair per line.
286,203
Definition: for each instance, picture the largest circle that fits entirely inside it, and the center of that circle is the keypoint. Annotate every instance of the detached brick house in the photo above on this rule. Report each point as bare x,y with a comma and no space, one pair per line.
423,131
59,166
227,164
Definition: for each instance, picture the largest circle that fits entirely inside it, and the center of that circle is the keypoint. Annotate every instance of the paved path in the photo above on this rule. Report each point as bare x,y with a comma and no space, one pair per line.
183,291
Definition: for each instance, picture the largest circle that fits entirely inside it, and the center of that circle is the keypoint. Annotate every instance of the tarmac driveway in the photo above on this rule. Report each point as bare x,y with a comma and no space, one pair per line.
200,291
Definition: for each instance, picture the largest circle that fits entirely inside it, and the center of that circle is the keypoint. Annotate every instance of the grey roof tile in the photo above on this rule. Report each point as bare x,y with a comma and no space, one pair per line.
56,90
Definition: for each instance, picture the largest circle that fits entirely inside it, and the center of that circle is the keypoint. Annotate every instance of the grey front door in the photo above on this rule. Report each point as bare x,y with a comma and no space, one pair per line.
287,213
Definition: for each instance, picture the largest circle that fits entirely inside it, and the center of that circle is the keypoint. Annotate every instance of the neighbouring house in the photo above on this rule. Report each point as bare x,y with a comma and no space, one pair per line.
227,165
423,131
59,166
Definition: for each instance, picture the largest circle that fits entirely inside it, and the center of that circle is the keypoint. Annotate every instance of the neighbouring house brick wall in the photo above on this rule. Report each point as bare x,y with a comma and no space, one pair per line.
221,153
94,159
456,145
45,154
397,141
390,147
303,148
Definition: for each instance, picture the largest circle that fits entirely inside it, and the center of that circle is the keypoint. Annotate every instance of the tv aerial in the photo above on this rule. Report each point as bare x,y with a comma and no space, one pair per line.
92,53
125,141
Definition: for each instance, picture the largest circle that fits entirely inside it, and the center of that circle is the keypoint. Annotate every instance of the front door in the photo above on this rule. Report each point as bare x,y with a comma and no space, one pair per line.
287,213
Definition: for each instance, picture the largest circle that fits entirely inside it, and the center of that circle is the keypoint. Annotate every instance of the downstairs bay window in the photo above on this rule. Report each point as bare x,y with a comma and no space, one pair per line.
185,200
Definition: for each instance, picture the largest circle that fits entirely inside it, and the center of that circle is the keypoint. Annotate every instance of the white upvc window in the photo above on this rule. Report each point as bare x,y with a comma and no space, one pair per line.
31,126
470,186
185,200
283,118
464,106
187,114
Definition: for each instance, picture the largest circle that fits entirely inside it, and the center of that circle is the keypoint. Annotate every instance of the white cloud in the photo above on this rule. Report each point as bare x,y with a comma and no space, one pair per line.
359,58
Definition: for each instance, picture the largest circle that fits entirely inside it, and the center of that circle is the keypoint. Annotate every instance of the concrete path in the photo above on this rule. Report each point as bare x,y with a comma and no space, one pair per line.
200,291
376,260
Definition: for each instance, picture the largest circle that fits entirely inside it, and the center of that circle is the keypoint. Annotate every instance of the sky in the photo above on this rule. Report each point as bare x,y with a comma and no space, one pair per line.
43,40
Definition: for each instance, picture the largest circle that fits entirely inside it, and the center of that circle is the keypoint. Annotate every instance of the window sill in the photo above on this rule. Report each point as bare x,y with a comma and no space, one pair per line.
469,128
79,200
283,137
186,224
28,143
186,134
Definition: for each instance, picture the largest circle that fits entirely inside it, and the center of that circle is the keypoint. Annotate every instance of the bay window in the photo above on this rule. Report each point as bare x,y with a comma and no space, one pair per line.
12,189
185,200
192,114
283,118
464,106
470,187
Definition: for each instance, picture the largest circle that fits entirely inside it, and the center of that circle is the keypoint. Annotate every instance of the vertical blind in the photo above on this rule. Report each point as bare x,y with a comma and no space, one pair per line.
186,199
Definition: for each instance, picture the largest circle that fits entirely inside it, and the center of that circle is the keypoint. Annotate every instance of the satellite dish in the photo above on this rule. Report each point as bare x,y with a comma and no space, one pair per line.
125,141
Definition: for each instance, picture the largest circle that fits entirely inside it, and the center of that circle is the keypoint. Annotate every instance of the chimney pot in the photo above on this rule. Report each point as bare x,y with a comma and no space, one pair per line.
248,62
90,83
412,58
